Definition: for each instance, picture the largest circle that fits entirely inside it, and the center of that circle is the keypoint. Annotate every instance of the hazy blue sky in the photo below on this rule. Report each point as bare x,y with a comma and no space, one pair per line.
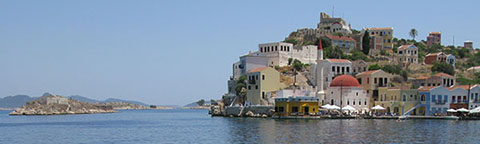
176,52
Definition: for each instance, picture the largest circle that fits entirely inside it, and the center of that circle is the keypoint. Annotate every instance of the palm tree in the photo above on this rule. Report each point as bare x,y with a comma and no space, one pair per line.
413,33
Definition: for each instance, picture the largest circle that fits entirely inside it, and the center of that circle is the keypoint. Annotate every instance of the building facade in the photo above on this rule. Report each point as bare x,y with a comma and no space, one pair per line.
439,79
347,44
282,51
434,38
331,25
407,54
371,81
468,44
345,90
296,106
385,35
261,83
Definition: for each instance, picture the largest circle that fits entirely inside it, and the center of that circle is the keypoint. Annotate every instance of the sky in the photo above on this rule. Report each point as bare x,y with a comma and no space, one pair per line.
177,52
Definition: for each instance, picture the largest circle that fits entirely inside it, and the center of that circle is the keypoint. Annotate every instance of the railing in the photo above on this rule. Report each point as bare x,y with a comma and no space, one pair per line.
440,102
252,81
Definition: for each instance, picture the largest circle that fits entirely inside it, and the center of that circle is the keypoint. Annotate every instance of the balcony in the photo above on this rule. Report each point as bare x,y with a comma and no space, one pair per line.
252,81
440,102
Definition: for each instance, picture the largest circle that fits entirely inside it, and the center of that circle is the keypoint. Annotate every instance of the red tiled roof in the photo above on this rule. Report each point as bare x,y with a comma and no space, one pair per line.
257,69
465,87
367,72
434,54
339,60
443,75
435,33
340,38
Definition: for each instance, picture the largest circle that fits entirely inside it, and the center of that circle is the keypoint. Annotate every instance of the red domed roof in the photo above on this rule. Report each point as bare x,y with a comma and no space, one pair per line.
344,80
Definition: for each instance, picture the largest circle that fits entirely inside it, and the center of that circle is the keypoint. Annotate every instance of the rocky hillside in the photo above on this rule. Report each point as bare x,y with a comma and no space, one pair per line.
55,105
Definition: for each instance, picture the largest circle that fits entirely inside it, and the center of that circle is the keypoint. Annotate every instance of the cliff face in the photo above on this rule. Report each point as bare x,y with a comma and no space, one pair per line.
55,105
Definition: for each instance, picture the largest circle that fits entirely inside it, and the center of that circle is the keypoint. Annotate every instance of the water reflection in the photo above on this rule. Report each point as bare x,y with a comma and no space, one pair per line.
250,130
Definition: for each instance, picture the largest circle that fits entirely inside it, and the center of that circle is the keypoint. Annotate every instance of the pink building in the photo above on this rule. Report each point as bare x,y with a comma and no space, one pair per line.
434,38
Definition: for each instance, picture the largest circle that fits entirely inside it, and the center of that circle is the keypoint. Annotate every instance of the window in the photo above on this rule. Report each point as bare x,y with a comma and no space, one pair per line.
333,68
263,77
368,81
357,93
365,101
375,80
256,86
294,109
348,69
263,95
256,77
249,88
359,80
280,109
434,97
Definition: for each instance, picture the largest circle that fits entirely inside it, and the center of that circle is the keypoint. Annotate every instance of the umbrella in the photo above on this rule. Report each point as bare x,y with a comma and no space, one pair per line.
451,110
349,108
474,111
377,107
334,107
327,106
462,110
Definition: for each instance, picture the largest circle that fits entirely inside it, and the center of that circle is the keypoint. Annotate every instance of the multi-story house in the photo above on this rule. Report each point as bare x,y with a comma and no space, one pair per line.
332,68
345,90
434,38
468,44
438,99
439,79
399,100
359,66
407,54
440,57
371,81
262,82
385,34
346,44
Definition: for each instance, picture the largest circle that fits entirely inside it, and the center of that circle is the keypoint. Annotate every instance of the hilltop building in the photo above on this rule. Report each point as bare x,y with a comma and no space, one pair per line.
440,57
331,25
345,90
407,54
468,44
282,51
261,83
346,44
434,38
382,37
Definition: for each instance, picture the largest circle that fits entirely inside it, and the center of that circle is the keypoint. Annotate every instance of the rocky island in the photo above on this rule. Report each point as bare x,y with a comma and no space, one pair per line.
57,105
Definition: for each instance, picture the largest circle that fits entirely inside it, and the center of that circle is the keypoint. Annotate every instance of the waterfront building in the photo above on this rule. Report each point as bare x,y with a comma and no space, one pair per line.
261,83
434,38
439,79
345,90
474,100
399,100
296,106
407,54
371,81
346,44
331,68
468,44
438,98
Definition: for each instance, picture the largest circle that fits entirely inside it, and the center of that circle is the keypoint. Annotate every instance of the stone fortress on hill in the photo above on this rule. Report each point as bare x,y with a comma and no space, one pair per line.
336,65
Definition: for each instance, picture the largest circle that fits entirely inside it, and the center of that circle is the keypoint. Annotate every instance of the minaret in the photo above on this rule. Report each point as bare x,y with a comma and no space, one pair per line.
319,67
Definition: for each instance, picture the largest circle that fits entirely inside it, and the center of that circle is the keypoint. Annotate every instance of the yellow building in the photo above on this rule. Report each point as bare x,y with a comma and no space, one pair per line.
385,33
296,106
371,81
399,100
261,83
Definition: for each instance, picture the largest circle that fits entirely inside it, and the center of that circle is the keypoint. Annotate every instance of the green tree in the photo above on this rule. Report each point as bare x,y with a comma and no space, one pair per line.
357,55
333,52
374,67
297,67
366,43
213,102
413,33
393,69
443,67
290,61
404,75
201,102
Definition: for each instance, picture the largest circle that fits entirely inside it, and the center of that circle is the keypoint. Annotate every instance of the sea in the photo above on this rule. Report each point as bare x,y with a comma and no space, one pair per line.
196,126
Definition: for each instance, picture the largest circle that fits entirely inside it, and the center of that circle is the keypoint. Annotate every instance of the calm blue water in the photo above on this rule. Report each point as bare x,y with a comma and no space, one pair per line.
196,126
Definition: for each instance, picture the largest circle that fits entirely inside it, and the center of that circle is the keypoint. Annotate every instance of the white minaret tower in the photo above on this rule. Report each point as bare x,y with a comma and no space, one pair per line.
319,68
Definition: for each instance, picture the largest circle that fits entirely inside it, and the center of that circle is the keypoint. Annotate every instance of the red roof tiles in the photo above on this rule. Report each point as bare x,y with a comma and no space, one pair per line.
339,60
257,69
340,38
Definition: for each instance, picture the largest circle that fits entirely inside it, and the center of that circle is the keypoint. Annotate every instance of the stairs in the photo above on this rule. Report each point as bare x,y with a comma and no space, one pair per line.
412,109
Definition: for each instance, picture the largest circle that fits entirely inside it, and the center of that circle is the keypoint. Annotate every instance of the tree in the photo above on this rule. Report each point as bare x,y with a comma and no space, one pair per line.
443,67
357,55
366,43
413,33
333,52
213,102
393,69
374,67
201,102
404,75
297,66
290,61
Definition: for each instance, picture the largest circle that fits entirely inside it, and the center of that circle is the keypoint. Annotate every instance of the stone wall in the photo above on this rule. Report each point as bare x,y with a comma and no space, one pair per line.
256,110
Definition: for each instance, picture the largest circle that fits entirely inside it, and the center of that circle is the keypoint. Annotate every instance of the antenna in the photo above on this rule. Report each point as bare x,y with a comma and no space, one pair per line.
333,11
453,41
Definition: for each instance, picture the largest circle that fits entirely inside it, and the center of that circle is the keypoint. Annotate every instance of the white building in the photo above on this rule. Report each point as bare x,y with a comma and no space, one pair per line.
331,25
407,54
331,68
345,90
282,51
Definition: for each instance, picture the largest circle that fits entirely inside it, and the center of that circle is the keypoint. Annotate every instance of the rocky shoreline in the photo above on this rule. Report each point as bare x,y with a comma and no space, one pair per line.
59,105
